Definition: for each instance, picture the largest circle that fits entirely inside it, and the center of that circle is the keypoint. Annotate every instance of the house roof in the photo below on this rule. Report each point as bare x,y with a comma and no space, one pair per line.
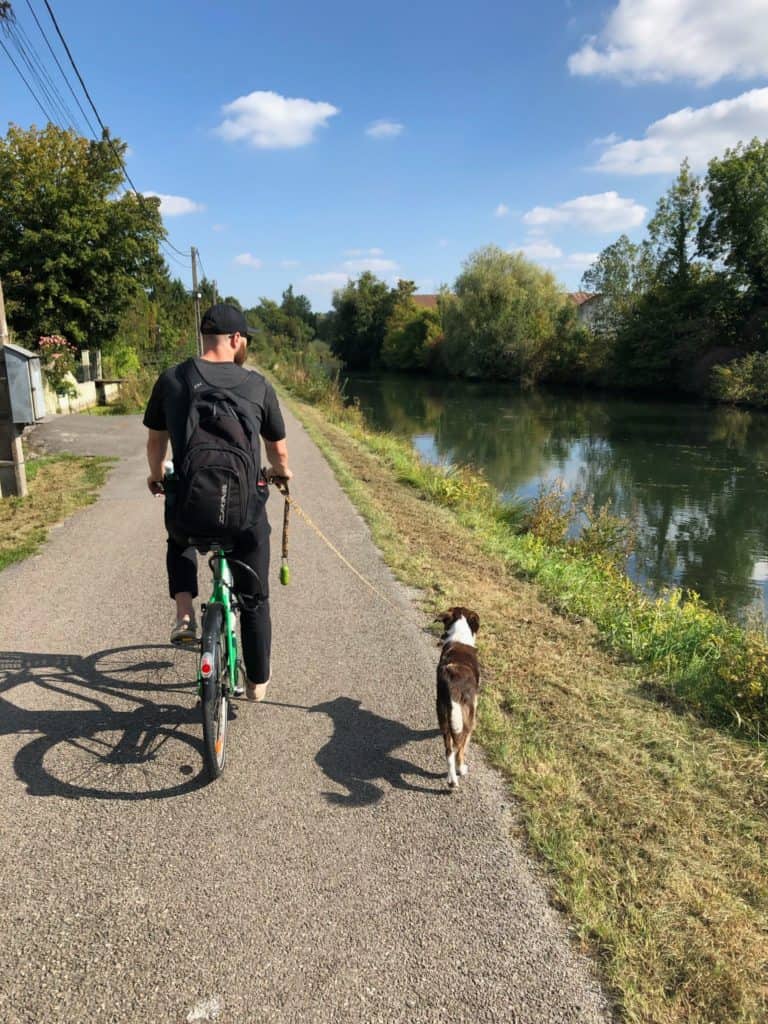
579,298
425,301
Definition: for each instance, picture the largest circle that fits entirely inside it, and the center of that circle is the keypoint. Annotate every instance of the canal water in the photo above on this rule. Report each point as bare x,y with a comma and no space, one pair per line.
694,477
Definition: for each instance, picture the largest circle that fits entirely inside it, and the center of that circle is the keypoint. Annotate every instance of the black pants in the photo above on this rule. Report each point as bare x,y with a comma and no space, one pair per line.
252,548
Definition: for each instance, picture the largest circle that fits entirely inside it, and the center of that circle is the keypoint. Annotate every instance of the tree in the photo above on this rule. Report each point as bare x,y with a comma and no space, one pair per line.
503,319
297,306
621,274
361,311
674,228
735,230
71,251
412,332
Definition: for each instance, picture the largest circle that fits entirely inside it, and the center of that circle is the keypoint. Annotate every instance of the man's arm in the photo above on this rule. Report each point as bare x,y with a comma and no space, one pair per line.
157,449
277,454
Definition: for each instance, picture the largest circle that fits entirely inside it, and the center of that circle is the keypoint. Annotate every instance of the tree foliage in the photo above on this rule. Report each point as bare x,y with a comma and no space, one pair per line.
413,333
504,318
735,229
360,313
71,250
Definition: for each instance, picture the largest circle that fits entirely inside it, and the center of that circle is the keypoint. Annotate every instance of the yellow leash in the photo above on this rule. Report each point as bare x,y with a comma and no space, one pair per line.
282,486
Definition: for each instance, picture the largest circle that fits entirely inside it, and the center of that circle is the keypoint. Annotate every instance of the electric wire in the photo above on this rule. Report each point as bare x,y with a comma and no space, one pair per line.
10,30
20,73
103,127
52,95
61,69
29,53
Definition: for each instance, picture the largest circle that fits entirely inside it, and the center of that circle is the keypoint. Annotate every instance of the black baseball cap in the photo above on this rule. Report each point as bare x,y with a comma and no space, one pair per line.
225,319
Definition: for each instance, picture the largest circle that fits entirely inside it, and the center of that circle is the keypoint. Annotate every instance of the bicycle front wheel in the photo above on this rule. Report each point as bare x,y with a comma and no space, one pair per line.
214,672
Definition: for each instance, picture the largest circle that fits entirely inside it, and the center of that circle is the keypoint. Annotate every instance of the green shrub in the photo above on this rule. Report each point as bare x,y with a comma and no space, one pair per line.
742,381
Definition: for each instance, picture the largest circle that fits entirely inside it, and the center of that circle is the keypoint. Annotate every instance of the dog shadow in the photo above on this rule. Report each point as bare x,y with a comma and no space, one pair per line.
359,754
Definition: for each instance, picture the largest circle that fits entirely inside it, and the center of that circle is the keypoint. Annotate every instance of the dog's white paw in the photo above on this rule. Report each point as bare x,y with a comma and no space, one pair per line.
452,782
463,769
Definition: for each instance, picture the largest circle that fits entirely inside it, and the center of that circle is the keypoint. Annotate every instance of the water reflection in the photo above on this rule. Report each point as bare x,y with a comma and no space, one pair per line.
695,476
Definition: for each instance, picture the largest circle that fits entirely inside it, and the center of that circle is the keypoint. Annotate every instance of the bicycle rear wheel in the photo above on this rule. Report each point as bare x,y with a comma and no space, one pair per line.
214,671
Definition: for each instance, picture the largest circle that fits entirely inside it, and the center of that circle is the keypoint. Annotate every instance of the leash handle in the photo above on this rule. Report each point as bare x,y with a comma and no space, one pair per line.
281,483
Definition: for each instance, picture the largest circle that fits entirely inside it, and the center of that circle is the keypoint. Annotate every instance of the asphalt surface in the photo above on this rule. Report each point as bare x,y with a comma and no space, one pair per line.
328,876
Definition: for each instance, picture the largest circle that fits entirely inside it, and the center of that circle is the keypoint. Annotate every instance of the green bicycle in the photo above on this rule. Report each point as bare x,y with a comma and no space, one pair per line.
217,678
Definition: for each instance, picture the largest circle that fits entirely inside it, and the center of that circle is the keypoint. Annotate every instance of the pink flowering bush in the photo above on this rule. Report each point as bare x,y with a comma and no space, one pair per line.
59,360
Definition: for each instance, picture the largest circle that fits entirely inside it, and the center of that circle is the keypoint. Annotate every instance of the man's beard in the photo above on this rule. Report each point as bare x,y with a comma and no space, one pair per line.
240,354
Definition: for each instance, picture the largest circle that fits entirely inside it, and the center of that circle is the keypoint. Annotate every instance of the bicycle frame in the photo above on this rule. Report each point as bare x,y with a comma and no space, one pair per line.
222,594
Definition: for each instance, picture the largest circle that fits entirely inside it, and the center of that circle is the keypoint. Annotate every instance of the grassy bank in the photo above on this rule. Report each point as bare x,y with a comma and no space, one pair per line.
58,486
651,820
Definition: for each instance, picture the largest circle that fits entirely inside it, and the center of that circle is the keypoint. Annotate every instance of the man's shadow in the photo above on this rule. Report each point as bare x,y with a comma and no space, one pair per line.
360,753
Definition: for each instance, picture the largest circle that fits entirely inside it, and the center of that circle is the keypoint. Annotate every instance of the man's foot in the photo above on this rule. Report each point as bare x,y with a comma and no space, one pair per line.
256,691
184,633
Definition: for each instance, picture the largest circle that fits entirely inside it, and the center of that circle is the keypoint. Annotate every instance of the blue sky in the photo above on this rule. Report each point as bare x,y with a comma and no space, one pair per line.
302,143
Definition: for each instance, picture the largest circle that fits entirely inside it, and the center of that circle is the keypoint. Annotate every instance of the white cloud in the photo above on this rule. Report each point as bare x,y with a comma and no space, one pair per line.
384,129
604,212
581,259
698,134
657,40
363,252
175,206
247,259
219,227
267,120
539,250
502,210
332,278
287,264
375,265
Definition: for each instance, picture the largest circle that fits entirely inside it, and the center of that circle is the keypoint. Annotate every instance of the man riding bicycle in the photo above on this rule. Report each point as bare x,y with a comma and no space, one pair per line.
252,404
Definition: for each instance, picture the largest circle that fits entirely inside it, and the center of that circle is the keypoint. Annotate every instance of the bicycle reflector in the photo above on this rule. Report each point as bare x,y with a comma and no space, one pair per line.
206,665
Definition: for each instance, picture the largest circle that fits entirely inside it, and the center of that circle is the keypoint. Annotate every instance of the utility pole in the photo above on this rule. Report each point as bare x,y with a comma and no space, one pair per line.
13,475
196,296
215,292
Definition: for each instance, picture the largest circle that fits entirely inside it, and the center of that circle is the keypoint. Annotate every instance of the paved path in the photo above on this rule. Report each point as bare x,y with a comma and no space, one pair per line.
327,876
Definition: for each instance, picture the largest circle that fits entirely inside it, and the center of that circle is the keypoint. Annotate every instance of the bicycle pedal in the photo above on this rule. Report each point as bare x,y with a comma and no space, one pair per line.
189,644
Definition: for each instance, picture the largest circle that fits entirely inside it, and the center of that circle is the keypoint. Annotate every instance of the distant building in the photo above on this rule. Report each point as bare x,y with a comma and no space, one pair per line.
587,306
426,301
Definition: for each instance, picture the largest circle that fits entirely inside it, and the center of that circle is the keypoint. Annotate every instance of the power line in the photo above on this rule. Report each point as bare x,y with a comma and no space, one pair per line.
20,73
61,69
179,251
104,129
29,55
54,98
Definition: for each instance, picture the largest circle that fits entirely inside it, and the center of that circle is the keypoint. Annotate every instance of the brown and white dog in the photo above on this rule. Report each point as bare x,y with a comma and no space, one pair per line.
458,684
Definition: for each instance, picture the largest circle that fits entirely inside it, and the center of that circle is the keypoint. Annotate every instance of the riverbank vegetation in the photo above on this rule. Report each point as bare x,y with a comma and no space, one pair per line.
58,486
692,295
651,821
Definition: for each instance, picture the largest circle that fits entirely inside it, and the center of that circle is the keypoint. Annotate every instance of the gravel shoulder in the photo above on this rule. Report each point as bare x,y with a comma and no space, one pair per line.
327,876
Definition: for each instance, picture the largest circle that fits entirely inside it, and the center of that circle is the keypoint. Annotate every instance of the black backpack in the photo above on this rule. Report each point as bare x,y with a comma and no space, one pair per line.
219,487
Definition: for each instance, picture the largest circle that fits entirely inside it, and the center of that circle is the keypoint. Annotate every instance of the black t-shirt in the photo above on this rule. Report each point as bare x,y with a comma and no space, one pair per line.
169,402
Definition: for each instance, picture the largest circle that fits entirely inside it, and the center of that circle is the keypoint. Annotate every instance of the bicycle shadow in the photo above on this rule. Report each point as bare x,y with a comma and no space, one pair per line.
360,753
120,735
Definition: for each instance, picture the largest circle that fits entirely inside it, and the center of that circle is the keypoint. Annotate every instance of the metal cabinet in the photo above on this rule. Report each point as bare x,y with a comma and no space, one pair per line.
25,384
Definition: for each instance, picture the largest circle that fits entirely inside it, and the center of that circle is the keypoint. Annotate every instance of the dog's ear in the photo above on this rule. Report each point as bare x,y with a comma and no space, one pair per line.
473,621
